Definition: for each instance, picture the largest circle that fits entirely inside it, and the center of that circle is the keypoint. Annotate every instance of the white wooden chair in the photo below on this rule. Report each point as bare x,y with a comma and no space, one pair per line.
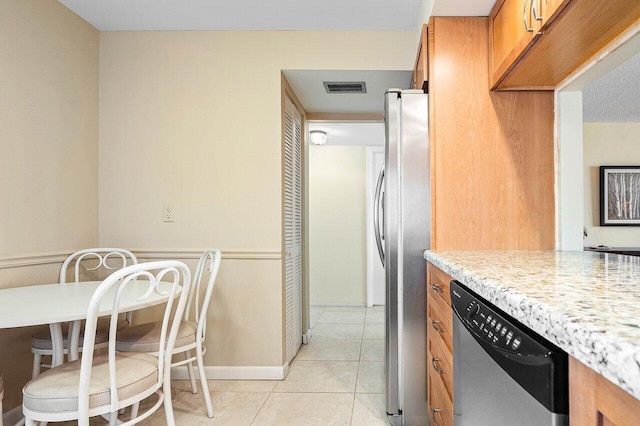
105,384
191,335
83,265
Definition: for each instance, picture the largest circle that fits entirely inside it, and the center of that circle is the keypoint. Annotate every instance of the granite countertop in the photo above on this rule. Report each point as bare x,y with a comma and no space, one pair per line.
587,303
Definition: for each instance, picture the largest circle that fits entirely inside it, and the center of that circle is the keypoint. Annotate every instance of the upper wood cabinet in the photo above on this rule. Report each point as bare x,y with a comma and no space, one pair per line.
548,11
535,44
512,31
421,68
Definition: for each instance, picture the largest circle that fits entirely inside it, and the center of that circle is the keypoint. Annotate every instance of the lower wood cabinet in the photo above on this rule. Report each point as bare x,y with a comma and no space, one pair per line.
439,348
595,401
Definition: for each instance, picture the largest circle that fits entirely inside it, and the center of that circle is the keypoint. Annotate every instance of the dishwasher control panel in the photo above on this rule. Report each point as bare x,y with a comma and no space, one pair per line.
493,326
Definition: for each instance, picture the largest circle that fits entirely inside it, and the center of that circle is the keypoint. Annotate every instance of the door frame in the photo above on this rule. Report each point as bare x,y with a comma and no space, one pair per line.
287,91
569,164
372,254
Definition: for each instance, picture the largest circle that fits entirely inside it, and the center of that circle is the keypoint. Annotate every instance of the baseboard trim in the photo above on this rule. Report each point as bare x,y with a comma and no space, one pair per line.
306,337
339,305
13,416
234,373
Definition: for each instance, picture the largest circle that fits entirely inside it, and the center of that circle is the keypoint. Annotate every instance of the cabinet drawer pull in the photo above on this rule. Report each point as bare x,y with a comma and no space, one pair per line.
524,16
435,411
436,288
439,370
436,325
534,10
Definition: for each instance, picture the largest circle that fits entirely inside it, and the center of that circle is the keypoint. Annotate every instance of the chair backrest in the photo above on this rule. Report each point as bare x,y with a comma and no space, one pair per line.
139,284
96,260
198,305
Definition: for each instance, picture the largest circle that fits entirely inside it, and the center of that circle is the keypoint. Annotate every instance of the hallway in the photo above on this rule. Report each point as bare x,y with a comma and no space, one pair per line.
337,379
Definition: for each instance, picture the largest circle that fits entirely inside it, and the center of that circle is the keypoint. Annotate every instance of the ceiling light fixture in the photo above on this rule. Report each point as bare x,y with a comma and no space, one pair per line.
318,137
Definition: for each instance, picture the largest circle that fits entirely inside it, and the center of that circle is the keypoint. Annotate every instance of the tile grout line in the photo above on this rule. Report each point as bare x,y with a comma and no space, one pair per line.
273,388
261,406
355,389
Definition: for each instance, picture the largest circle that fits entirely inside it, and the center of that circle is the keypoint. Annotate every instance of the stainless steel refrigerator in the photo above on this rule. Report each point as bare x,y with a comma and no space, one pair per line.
402,226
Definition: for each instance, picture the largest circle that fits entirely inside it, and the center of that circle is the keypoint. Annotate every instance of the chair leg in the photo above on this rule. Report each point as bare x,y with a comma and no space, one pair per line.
203,382
29,422
168,403
192,377
113,419
37,360
134,410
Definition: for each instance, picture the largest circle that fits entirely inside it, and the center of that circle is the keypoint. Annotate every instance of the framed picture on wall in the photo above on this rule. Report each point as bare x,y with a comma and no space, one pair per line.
619,195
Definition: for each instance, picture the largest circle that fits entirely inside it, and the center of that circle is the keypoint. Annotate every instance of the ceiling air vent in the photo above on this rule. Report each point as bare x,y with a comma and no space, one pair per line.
345,86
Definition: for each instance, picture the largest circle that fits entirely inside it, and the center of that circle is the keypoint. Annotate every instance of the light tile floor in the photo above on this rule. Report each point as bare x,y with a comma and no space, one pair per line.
337,379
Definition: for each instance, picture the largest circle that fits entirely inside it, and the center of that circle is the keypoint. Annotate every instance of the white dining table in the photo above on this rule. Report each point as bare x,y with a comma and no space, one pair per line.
55,304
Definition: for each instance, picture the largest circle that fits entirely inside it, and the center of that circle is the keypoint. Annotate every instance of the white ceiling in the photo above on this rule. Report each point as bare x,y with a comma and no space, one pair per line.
309,88
462,7
111,15
351,133
114,15
614,97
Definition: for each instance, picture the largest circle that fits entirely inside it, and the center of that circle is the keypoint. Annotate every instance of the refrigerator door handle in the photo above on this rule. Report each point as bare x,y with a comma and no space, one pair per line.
377,207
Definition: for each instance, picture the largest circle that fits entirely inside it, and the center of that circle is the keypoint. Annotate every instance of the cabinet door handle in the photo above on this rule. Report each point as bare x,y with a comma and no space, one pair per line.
439,370
534,10
435,411
524,16
436,326
436,288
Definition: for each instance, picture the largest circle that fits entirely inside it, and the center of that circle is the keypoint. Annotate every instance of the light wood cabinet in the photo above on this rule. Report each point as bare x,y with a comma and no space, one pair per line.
420,79
595,401
492,163
565,35
439,347
512,31
548,11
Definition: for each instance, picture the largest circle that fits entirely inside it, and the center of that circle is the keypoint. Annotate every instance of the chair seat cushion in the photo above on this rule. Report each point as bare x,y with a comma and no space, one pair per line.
56,390
145,337
42,339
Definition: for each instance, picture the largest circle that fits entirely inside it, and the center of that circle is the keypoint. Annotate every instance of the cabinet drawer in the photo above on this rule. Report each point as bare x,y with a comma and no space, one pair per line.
440,322
440,362
440,405
438,284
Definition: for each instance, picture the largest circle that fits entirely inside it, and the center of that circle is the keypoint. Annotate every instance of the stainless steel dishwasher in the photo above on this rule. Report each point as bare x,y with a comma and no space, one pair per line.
504,373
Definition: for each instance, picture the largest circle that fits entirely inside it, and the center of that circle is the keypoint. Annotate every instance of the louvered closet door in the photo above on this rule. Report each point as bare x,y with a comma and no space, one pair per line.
293,227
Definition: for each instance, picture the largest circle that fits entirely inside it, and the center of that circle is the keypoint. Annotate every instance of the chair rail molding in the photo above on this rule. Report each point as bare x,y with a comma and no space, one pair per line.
196,253
48,258
33,259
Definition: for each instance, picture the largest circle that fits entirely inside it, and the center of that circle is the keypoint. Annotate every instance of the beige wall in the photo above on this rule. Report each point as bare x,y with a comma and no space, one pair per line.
608,144
192,119
48,154
337,225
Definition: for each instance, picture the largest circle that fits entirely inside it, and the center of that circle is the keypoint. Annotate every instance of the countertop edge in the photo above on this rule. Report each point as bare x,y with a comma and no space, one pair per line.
590,345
